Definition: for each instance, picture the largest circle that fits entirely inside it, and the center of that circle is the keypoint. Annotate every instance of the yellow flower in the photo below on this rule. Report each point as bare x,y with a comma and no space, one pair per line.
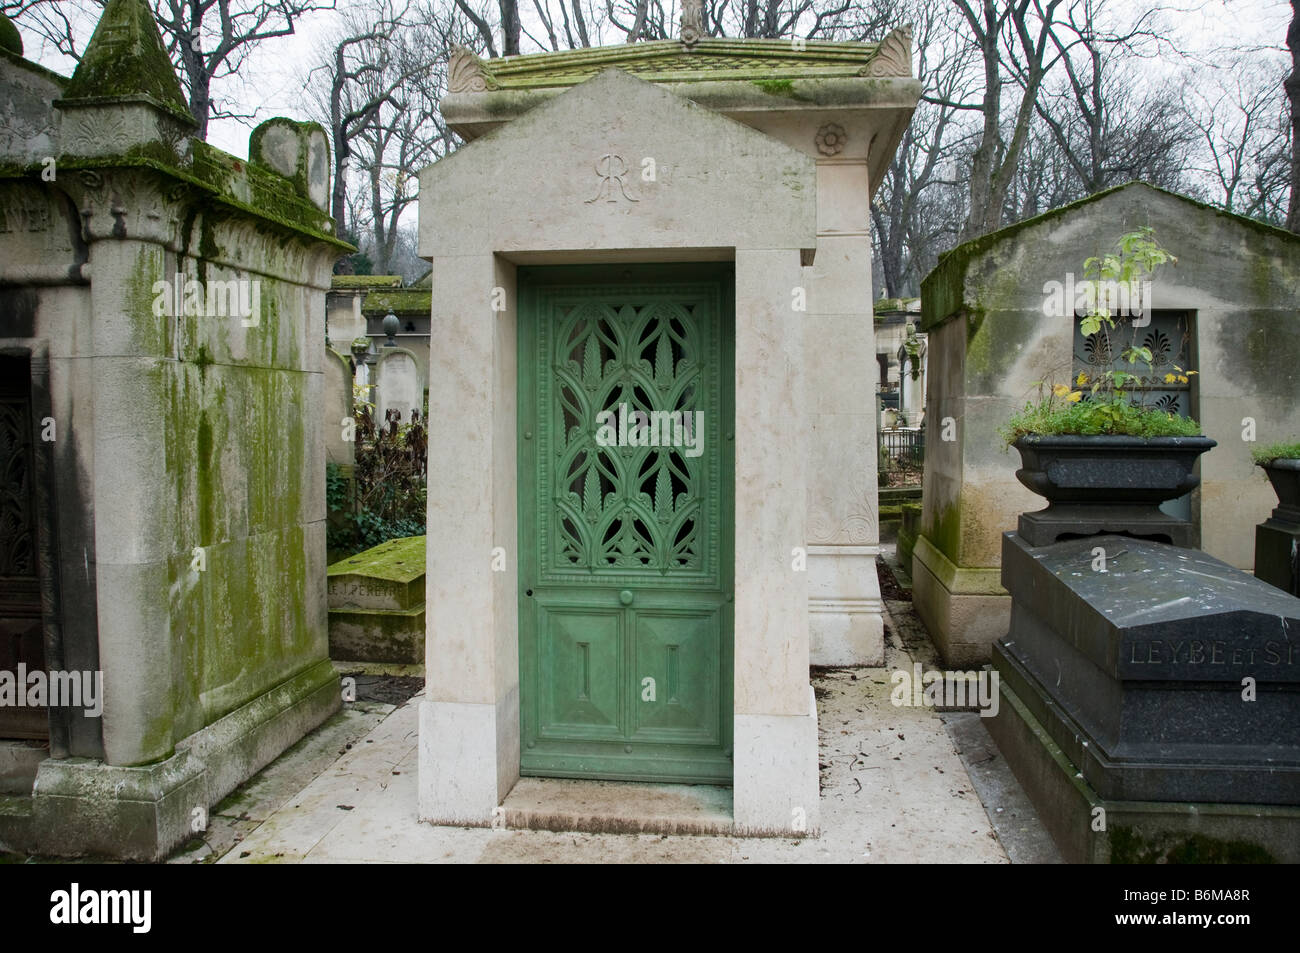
1074,396
1170,378
1082,379
1060,390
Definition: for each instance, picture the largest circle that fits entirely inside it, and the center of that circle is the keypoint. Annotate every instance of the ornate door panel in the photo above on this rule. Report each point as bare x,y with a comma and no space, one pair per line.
21,629
625,522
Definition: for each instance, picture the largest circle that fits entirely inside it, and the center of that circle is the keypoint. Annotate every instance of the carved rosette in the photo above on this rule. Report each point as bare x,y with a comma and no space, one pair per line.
831,139
465,74
893,56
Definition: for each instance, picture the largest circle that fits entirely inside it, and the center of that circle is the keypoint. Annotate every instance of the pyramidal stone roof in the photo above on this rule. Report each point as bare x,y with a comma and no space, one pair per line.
126,59
672,61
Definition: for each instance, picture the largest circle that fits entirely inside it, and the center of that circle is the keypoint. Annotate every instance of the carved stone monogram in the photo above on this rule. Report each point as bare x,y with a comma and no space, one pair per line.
612,169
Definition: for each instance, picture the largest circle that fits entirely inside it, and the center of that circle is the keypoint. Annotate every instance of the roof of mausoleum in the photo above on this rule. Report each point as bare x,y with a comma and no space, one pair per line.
734,77
944,292
671,61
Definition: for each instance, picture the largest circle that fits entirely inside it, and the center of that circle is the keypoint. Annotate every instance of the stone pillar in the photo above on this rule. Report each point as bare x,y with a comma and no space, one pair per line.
469,726
775,785
337,409
845,609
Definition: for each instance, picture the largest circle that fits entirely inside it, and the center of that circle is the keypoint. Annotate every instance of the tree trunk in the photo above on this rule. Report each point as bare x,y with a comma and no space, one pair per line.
1292,86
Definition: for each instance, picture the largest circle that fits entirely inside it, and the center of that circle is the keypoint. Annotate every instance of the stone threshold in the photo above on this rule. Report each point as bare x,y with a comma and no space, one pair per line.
618,807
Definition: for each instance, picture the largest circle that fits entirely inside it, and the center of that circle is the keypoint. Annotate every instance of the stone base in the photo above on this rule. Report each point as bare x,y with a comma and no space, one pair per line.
1069,520
846,622
1133,831
964,610
378,635
776,788
84,807
469,760
1277,554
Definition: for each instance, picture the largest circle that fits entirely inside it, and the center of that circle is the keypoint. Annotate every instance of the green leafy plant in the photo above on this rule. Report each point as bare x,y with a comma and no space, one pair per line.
1275,451
1111,401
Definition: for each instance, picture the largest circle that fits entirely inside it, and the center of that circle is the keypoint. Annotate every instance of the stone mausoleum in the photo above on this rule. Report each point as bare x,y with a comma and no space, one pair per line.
161,369
1226,310
676,229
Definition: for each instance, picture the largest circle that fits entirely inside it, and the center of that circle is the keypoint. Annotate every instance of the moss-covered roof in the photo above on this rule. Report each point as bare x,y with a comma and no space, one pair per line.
10,38
345,282
941,289
398,560
405,301
126,59
668,60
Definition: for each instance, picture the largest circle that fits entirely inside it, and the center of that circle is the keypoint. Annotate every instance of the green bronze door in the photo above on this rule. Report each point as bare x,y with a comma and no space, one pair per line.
625,522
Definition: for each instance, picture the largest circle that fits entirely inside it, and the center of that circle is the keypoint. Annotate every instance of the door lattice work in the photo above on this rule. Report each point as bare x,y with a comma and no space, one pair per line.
641,504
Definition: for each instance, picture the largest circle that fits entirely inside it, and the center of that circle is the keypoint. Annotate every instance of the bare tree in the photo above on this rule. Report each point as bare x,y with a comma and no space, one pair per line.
207,39
1243,123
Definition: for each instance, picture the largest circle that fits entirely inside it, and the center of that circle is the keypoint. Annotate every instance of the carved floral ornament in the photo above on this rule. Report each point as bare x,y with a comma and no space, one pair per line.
465,74
893,56
831,139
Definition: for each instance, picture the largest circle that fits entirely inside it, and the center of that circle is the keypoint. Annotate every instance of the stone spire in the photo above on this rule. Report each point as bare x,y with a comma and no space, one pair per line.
692,22
126,60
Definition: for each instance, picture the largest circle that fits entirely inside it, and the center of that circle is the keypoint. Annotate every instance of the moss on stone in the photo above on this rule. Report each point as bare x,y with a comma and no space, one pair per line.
398,560
945,534
412,301
1128,846
344,282
776,87
10,38
126,58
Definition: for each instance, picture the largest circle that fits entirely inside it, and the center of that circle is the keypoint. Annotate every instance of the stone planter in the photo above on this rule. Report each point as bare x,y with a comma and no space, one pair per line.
1108,484
1285,477
1277,539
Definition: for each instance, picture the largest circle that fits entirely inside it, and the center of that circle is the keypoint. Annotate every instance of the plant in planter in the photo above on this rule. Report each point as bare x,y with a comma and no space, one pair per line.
1277,539
1105,460
1281,462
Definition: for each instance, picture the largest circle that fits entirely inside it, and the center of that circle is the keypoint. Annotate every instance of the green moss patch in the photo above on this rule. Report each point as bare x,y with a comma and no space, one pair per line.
1127,846
398,560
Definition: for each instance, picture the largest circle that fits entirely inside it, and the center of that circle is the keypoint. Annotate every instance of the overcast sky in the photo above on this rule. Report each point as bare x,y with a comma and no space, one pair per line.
273,76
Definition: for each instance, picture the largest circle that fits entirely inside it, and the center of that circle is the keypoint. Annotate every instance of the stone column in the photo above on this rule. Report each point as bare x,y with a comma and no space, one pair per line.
846,624
775,785
469,726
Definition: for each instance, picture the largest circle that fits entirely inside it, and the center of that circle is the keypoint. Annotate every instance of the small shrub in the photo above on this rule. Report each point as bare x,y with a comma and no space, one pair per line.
1275,451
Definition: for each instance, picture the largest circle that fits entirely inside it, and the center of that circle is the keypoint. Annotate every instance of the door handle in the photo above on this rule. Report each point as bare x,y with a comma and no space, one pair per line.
626,597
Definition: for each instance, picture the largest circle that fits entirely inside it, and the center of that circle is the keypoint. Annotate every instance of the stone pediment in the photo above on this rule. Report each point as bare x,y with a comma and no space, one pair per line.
618,163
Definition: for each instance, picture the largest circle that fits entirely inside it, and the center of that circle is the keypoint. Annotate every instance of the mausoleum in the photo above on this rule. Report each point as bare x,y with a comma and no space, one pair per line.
162,540
675,233
992,310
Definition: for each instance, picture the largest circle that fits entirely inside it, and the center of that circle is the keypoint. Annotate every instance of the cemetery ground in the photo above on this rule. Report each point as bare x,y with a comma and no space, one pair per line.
898,785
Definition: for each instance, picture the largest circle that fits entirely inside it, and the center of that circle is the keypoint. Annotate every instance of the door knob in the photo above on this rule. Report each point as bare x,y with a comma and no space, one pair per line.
626,597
